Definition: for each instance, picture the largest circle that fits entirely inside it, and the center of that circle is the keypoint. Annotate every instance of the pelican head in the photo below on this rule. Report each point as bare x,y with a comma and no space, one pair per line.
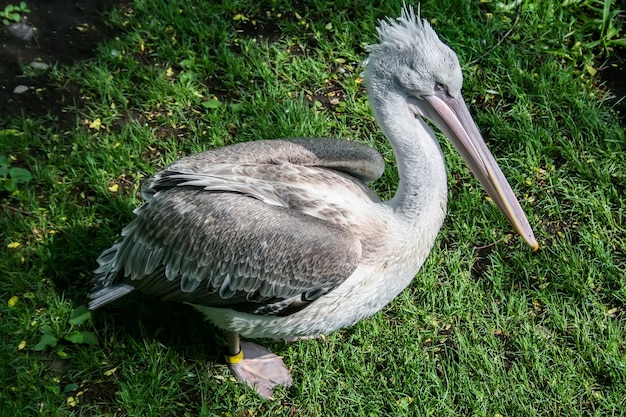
411,58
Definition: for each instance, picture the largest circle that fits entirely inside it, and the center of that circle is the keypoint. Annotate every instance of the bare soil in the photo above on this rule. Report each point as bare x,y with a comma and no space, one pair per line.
66,31
614,75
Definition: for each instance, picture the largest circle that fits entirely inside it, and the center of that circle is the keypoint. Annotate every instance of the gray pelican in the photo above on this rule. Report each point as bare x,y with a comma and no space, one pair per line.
283,239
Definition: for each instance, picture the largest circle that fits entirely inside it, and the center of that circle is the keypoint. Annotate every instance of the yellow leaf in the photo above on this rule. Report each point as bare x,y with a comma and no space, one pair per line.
12,301
13,245
114,188
71,401
591,70
96,124
110,371
22,345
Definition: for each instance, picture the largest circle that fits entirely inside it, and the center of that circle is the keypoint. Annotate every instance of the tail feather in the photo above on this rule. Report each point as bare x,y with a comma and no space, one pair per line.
106,289
109,294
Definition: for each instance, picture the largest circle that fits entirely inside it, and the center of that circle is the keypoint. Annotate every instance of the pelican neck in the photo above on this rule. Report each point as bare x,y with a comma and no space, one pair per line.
420,162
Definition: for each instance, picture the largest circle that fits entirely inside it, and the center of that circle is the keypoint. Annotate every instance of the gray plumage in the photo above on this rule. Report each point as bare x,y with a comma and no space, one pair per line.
227,228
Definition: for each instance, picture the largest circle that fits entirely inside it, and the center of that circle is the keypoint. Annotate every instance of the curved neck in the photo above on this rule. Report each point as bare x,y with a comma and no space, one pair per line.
421,167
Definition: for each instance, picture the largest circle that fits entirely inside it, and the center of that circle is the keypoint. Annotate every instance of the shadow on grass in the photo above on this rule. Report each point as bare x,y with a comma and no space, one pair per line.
69,262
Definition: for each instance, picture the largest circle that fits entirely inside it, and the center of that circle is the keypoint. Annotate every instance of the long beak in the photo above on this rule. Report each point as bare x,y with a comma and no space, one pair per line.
453,118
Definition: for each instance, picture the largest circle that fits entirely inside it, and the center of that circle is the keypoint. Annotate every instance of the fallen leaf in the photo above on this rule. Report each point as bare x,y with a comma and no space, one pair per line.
12,301
96,124
110,371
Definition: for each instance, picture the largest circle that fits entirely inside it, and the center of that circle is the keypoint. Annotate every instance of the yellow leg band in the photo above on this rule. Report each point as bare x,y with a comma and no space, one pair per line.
233,359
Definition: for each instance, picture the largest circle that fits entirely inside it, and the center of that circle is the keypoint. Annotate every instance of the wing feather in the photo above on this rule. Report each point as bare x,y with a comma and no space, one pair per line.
254,256
246,226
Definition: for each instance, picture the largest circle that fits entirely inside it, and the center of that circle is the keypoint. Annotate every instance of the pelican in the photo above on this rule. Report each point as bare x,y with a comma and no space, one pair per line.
283,239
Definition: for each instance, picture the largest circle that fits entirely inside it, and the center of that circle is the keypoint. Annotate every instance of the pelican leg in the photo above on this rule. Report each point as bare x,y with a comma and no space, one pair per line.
256,366
234,345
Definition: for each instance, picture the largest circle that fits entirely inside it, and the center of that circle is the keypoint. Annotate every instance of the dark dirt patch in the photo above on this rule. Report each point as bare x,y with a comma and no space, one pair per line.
614,75
66,31
259,30
482,261
328,97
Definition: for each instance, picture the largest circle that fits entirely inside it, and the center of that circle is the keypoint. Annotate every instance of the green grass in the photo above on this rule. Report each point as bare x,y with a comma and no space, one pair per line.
488,328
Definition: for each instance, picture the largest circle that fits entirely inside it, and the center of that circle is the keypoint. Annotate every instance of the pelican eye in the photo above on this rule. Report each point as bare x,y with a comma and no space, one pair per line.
441,87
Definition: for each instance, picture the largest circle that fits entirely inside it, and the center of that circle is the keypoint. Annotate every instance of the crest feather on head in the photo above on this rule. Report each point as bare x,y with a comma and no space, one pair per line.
410,53
407,31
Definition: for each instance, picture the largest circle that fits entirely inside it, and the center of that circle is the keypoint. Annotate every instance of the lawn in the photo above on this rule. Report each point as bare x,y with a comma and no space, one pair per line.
488,328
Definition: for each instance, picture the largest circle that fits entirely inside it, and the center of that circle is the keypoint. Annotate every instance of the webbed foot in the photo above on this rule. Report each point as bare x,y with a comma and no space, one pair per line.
259,368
